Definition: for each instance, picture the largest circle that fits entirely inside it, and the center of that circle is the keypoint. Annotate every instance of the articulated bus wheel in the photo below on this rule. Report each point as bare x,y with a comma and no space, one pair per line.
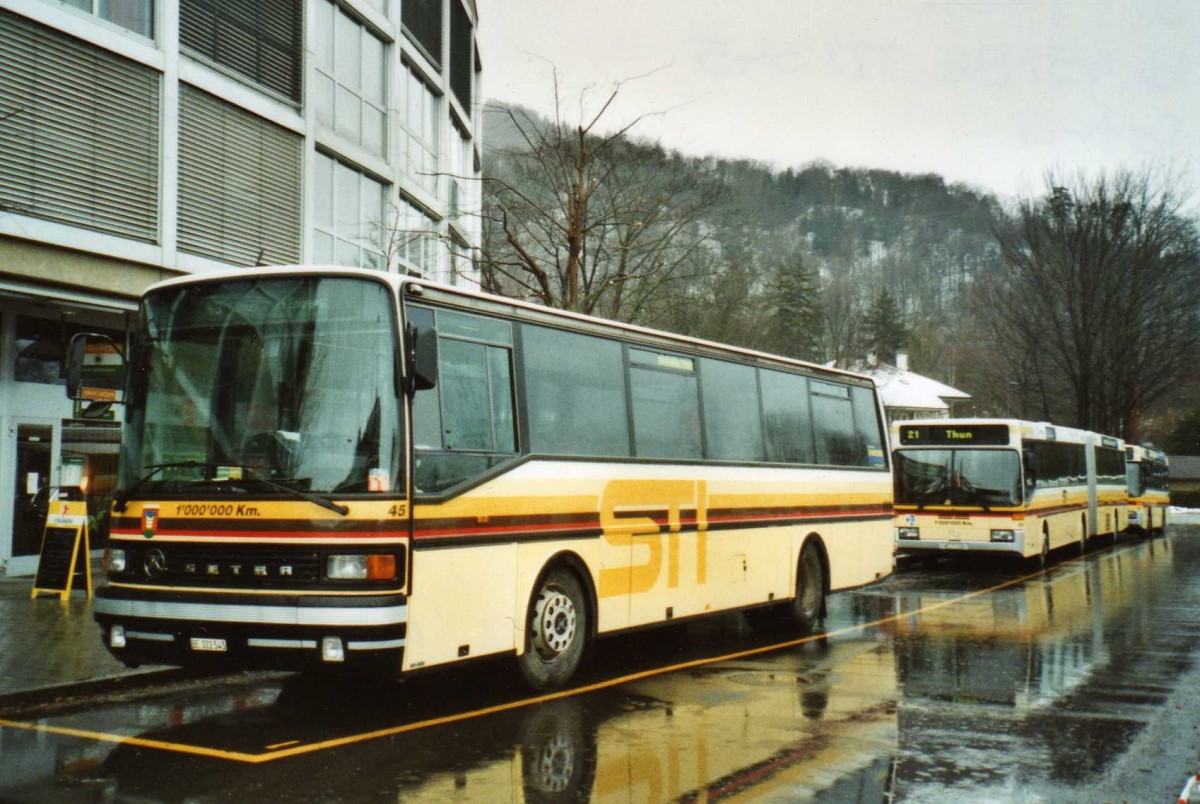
556,631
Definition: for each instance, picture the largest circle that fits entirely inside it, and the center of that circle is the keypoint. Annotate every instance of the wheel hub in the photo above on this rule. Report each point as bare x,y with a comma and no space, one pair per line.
554,623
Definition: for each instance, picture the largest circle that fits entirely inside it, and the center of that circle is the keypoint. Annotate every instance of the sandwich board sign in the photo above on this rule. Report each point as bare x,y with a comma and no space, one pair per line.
65,553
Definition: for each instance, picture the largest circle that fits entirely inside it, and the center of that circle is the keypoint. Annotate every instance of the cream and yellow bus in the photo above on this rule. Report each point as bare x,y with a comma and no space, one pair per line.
325,466
1149,498
1005,486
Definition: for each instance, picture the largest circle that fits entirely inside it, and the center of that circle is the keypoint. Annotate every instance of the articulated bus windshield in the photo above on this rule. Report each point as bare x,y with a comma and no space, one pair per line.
958,477
285,379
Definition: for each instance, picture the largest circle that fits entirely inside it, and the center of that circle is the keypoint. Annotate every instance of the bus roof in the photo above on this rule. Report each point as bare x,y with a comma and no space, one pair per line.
399,283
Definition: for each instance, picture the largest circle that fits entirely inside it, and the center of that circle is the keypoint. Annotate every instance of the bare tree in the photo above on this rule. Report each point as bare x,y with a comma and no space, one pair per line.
1099,297
590,221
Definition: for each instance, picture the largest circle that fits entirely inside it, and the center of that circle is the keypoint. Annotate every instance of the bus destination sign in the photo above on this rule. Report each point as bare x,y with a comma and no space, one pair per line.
942,435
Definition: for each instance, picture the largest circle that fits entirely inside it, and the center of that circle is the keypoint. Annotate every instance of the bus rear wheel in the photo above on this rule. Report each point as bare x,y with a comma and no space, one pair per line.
555,631
806,607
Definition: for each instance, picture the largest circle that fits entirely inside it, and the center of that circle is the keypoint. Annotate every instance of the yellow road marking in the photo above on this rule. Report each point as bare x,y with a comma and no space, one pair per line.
283,745
291,749
103,737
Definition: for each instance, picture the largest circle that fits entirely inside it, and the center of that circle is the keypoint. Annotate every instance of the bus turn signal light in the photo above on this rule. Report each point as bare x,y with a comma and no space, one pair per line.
381,568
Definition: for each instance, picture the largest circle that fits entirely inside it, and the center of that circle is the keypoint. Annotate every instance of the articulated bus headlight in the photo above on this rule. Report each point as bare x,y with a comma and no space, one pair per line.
1004,536
908,533
361,568
116,560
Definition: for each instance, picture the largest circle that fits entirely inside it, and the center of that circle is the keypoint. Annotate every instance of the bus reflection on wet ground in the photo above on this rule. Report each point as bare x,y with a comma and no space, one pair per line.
954,688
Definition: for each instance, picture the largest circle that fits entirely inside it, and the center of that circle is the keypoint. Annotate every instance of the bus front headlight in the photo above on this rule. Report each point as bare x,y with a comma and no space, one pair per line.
116,560
1004,536
361,568
908,533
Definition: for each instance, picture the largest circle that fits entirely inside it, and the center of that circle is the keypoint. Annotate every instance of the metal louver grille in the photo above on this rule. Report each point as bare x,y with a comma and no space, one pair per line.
78,133
258,40
239,183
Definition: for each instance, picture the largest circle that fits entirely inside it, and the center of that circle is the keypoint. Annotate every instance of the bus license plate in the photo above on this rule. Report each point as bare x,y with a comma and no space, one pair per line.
205,643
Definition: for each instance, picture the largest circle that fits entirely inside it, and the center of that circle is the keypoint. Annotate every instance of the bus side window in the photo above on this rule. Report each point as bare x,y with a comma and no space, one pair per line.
466,425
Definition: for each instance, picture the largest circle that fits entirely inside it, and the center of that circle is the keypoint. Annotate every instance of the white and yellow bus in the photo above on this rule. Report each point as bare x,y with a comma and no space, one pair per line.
1005,486
1149,497
326,466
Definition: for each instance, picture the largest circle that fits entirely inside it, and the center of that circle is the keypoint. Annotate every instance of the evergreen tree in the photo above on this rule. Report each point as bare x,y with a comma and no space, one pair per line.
795,313
884,332
1185,438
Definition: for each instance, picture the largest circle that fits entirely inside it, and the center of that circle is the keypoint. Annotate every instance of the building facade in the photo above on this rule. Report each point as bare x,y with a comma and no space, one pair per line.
145,139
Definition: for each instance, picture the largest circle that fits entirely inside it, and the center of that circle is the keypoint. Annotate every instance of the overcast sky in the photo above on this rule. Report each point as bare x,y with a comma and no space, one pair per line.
987,92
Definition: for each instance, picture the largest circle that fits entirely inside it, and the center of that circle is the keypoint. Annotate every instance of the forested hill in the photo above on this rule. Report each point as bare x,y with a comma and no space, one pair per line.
848,233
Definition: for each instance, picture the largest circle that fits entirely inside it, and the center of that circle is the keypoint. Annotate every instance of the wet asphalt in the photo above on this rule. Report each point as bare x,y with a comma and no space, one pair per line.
950,681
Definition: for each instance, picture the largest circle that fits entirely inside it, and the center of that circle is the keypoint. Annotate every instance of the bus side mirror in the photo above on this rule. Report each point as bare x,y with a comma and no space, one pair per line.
95,370
422,353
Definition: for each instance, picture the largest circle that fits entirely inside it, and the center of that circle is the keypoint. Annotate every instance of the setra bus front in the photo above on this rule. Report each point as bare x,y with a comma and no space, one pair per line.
958,487
261,515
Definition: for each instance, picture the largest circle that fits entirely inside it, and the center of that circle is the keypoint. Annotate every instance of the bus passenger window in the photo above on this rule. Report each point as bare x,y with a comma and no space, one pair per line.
833,426
732,426
666,405
786,417
575,393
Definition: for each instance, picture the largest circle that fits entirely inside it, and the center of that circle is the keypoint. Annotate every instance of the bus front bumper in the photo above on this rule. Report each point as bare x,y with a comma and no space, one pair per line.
282,631
1014,547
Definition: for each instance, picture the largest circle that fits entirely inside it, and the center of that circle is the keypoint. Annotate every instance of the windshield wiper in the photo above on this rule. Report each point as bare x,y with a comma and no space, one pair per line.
297,493
121,499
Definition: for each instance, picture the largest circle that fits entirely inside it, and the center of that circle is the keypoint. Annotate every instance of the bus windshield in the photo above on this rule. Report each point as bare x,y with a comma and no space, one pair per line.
287,380
958,477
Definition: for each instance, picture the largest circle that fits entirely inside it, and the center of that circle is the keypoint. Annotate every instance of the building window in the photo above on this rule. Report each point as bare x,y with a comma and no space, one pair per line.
422,20
78,133
132,15
420,125
259,41
348,216
414,238
239,184
350,89
462,50
42,347
461,184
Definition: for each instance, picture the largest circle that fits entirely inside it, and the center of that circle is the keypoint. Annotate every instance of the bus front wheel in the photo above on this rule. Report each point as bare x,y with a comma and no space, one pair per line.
555,632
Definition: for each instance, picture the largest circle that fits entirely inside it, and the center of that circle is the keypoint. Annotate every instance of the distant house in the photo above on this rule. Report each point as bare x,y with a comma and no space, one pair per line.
908,395
1184,480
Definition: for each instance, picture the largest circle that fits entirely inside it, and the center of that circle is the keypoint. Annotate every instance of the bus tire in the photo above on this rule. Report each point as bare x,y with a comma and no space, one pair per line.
556,628
1083,545
806,607
1044,555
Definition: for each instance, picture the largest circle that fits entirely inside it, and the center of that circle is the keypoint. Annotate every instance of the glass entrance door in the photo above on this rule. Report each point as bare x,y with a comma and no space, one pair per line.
35,458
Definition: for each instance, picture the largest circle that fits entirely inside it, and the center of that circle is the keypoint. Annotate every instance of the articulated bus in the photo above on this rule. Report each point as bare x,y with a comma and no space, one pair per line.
1005,486
1149,499
334,467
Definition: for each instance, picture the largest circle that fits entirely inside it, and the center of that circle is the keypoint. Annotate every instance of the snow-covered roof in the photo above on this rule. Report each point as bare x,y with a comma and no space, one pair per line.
900,388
